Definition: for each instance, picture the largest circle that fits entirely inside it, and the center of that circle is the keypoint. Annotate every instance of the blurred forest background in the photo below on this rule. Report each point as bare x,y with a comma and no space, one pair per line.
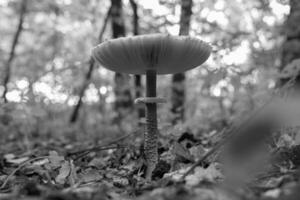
50,85
54,93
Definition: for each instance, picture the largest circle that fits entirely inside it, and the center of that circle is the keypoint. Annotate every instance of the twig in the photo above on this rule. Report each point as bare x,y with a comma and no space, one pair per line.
102,147
18,168
85,152
231,132
274,174
99,147
120,138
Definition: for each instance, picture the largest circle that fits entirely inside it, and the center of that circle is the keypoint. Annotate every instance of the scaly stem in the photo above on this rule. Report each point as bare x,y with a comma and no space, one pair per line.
151,135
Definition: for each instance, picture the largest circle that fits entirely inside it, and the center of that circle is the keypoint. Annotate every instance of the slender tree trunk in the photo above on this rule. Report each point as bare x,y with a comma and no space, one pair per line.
137,78
122,89
291,46
178,80
135,20
7,73
88,76
75,113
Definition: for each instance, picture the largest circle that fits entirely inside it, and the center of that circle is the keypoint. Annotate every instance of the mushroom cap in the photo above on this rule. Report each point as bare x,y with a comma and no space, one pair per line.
163,53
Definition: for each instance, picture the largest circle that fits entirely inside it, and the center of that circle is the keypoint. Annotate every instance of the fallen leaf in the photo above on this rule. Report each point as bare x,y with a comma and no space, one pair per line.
64,172
211,174
55,159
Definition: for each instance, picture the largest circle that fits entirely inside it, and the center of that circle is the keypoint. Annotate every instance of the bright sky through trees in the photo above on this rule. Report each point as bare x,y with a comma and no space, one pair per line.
218,14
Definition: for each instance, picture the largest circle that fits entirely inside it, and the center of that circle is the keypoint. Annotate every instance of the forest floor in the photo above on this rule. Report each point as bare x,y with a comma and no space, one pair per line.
62,169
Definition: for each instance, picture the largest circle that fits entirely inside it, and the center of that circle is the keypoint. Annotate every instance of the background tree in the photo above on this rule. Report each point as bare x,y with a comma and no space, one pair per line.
123,98
89,73
52,58
291,44
178,80
137,78
7,73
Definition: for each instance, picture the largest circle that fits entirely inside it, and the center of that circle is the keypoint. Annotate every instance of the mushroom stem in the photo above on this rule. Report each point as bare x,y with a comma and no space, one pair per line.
151,135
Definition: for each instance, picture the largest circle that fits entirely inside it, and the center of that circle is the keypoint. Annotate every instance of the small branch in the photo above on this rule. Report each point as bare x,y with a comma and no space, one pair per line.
102,147
86,152
275,174
120,138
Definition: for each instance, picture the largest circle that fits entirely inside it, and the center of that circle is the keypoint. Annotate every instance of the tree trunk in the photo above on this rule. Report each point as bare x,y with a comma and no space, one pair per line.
88,76
137,78
122,88
7,72
178,80
291,46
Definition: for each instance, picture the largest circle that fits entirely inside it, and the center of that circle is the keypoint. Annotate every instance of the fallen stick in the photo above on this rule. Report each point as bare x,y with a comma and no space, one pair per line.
98,147
85,152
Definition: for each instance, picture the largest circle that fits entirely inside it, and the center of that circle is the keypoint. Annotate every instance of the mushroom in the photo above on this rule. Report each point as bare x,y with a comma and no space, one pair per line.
151,55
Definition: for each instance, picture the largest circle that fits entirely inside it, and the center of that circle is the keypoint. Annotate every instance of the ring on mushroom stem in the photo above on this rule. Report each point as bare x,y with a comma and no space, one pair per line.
149,100
151,55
